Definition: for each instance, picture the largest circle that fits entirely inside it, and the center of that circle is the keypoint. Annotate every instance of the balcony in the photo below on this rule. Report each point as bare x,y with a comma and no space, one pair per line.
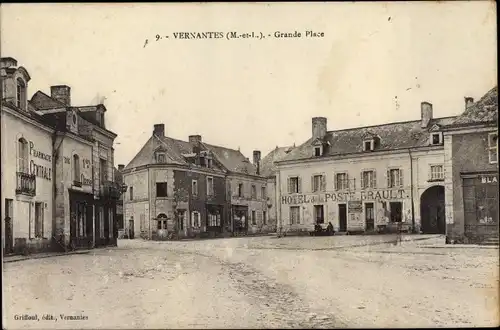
111,190
26,184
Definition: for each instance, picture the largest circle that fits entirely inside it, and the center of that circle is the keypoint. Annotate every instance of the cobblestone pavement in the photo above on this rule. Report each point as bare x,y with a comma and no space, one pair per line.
260,282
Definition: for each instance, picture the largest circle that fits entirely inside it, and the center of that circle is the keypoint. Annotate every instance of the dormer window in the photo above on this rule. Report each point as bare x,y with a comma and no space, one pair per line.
160,158
368,145
209,162
318,151
21,94
436,138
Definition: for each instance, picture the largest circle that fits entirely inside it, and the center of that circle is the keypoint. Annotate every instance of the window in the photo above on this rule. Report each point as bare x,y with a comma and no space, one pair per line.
210,186
394,178
396,211
181,218
202,161
142,222
240,189
436,138
294,215
317,151
293,185
263,192
131,193
111,222
194,188
214,220
39,220
160,158
318,183
368,145
437,172
254,192
76,170
264,217
161,224
254,219
368,179
81,219
21,94
103,169
319,216
209,162
101,222
341,181
195,220
22,156
161,189
493,147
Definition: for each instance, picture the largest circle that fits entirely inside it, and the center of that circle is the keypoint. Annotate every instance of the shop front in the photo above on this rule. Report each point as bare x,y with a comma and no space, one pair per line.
214,218
240,219
480,195
81,219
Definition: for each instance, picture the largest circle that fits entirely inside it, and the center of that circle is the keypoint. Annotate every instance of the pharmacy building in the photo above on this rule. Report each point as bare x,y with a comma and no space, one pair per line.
178,189
57,159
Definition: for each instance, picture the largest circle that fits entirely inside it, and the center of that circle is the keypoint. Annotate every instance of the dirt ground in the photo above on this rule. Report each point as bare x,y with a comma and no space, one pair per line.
260,282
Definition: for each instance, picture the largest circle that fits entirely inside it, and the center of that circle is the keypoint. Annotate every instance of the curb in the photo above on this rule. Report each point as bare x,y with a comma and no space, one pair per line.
45,256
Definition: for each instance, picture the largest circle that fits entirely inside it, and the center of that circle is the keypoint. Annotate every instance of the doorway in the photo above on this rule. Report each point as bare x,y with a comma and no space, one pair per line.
319,215
342,217
9,237
432,211
369,217
131,229
396,211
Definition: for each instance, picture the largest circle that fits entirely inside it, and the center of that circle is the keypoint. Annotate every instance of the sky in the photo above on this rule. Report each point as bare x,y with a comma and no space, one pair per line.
375,64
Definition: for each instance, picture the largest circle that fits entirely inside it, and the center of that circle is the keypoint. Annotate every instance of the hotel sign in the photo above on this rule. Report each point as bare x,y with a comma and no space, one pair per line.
388,194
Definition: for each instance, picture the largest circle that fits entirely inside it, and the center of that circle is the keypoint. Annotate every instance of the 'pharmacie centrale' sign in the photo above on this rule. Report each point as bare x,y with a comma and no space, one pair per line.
40,171
388,194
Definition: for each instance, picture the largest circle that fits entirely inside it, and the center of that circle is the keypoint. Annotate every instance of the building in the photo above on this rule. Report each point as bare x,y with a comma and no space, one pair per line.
269,171
471,163
191,188
60,195
366,179
119,204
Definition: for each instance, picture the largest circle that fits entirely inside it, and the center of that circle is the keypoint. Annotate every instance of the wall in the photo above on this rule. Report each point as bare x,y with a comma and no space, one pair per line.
271,203
258,204
139,205
331,198
468,153
14,126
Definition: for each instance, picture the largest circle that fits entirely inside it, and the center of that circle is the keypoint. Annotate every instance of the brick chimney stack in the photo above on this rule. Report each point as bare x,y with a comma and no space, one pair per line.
318,127
256,160
159,130
426,113
61,93
468,101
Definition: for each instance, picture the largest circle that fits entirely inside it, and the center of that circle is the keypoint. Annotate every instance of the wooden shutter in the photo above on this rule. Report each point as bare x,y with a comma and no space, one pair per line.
348,183
401,183
335,181
312,184
374,179
323,183
299,184
388,178
289,186
363,180
31,221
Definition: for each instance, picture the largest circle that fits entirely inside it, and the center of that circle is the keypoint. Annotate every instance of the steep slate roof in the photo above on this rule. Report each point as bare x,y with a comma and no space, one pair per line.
267,165
392,136
230,159
44,102
483,111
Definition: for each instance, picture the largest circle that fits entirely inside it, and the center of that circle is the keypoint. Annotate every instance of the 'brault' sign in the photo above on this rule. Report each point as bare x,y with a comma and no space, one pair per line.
345,196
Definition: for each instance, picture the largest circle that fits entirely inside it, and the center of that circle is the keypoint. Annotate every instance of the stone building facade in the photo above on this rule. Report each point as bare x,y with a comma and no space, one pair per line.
55,143
183,189
367,179
471,162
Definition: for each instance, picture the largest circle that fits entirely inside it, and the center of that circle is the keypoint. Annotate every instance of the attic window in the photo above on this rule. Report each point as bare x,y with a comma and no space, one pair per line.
317,151
160,158
368,145
436,138
209,162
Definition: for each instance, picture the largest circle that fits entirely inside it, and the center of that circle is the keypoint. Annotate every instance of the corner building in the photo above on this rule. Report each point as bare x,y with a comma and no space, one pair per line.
367,179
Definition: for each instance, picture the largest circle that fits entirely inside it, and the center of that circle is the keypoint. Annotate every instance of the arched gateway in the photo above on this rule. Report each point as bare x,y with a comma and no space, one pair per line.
432,212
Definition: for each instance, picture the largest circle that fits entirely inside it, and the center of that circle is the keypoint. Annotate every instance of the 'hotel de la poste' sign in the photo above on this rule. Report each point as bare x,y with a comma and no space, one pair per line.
388,194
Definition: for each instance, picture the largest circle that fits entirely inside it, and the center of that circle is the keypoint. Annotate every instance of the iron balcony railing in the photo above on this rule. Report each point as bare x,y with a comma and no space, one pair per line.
26,184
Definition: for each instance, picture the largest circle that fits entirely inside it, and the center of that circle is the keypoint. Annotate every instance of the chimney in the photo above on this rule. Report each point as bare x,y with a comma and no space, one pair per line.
7,62
62,93
121,167
468,101
426,113
318,127
195,139
256,160
159,130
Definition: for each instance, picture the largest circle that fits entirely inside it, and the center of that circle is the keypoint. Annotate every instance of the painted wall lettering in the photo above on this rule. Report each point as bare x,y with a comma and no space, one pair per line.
85,181
67,160
39,154
86,163
40,171
345,196
489,179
